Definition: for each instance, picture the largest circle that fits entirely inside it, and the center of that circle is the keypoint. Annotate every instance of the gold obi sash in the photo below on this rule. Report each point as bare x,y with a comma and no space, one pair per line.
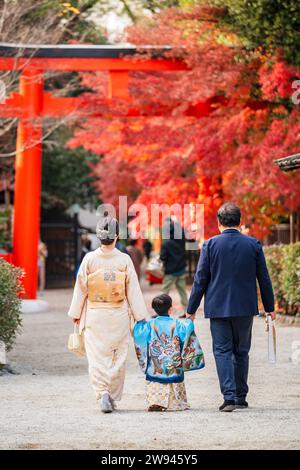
107,285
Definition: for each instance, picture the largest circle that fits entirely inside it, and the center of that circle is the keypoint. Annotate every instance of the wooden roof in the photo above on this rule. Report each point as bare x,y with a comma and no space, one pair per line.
79,50
289,163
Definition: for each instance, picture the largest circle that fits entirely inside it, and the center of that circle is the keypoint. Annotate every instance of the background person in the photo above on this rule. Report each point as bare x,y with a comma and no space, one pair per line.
173,257
86,246
147,247
42,257
136,255
121,246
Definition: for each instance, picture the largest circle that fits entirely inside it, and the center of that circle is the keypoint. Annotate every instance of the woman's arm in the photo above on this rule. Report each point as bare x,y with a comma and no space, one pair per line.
80,292
134,294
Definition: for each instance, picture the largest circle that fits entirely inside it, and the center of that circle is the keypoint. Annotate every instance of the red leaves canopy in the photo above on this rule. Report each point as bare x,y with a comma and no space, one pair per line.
180,154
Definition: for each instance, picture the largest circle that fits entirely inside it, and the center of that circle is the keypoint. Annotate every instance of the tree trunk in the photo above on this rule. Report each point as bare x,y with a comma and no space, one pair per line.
292,224
297,228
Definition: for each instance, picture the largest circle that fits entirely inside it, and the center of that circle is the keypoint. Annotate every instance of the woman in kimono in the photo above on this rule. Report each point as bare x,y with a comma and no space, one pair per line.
165,349
106,292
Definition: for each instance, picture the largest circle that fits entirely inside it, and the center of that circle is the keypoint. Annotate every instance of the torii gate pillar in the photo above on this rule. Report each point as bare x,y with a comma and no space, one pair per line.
26,225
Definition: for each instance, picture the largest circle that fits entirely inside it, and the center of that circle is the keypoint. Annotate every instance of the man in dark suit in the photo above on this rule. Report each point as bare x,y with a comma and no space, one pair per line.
229,265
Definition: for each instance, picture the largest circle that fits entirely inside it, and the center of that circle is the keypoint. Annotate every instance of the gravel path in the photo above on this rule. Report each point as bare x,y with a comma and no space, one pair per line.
50,405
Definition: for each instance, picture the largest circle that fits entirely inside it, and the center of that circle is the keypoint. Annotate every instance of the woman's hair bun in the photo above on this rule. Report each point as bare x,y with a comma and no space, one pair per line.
107,228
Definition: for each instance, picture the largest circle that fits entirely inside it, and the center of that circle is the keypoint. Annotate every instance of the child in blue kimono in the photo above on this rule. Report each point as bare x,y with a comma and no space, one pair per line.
166,348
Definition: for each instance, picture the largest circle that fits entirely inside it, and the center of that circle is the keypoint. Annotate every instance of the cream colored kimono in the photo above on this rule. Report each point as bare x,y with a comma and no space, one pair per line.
104,313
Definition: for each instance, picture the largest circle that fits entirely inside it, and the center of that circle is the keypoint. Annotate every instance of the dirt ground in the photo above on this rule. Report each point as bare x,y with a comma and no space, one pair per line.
50,405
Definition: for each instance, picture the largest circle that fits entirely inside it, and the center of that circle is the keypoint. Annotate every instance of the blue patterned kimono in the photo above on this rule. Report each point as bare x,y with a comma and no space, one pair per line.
166,348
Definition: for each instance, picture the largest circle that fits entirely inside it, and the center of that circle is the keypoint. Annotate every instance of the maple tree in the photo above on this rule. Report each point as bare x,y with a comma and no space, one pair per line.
205,135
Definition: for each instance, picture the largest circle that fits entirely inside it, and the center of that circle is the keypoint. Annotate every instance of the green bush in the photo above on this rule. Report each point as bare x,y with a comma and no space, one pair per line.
274,254
10,303
290,277
284,267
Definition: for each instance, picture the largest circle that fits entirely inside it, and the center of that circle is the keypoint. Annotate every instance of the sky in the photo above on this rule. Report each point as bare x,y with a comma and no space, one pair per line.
114,21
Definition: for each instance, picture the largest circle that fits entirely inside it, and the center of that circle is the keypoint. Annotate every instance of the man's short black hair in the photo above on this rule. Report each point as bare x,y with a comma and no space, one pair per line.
229,215
161,304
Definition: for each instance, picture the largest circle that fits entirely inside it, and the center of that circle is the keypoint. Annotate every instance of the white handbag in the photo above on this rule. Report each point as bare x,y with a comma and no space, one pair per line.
155,267
2,353
76,342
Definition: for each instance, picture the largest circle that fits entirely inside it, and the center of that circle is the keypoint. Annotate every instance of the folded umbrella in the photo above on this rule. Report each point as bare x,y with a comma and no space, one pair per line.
271,330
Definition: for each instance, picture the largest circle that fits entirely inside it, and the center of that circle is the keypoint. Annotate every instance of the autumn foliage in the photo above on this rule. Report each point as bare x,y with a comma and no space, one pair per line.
204,135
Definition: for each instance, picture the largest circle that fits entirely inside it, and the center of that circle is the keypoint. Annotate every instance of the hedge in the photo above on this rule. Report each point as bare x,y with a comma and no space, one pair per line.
284,267
10,302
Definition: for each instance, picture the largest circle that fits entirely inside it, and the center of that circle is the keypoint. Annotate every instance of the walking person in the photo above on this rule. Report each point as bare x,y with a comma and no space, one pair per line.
136,255
229,265
86,247
147,247
122,247
172,255
106,289
166,348
42,257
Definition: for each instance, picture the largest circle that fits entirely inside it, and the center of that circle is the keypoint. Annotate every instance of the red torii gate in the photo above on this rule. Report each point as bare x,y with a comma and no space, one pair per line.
32,103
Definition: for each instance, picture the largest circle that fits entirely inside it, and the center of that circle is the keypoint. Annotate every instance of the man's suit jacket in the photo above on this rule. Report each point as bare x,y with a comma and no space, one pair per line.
226,275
